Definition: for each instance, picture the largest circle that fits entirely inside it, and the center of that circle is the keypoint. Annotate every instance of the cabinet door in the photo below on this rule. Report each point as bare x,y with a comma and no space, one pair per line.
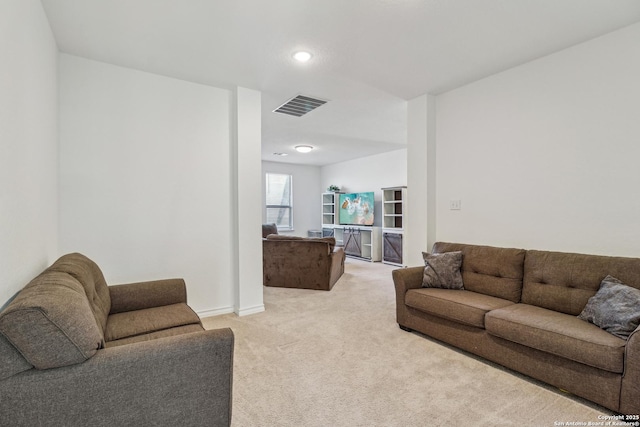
392,247
352,242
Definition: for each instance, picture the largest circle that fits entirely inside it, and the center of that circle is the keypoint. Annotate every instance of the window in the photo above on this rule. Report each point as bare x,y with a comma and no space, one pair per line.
279,201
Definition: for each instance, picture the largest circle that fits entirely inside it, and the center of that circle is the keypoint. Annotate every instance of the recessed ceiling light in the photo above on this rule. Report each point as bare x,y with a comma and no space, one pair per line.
280,154
303,148
302,56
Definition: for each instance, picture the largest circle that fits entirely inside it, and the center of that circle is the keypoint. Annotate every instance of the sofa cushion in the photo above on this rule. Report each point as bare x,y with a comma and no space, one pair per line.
178,330
152,293
557,333
442,270
489,270
139,322
91,278
614,308
51,323
458,305
564,282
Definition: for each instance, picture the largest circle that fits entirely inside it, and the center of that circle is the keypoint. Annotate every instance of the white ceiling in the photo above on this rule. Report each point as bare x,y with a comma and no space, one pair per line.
370,56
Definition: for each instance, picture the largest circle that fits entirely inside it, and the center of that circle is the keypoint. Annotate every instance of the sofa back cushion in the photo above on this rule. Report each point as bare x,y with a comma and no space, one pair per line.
331,241
564,282
92,280
489,270
51,323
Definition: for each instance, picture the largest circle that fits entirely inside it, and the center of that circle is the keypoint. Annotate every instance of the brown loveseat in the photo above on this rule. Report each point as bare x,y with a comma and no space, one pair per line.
301,262
519,309
76,352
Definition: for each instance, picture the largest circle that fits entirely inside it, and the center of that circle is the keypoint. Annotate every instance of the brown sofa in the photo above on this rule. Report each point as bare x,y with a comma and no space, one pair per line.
519,309
301,262
74,351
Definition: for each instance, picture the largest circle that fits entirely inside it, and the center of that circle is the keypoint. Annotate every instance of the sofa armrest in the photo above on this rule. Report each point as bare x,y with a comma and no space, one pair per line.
140,295
337,265
407,278
403,280
630,390
180,380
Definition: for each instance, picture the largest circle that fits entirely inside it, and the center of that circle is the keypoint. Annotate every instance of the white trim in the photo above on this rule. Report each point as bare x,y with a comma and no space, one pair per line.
214,312
250,310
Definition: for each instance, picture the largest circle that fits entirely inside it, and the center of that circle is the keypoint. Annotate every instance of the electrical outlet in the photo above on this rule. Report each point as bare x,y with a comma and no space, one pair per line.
455,205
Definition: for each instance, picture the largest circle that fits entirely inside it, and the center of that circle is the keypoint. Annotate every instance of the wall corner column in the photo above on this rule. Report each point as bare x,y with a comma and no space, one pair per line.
421,177
246,185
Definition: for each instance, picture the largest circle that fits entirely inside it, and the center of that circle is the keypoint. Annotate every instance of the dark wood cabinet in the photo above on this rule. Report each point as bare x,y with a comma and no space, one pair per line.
352,242
392,247
394,225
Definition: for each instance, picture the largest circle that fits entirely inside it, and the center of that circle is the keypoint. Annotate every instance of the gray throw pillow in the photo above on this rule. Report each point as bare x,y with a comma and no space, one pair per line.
614,308
442,270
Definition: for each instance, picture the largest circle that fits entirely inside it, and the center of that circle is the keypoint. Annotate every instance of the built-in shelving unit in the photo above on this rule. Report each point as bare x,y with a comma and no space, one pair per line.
338,233
393,225
393,200
359,241
329,210
362,242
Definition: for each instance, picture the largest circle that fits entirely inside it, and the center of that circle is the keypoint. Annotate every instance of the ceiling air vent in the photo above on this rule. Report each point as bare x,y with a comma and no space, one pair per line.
299,106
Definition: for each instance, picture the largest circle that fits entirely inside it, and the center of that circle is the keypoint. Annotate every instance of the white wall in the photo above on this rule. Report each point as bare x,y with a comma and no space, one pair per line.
545,155
307,202
369,173
145,178
28,144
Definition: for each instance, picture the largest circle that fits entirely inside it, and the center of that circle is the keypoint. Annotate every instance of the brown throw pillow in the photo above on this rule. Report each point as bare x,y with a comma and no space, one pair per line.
614,308
442,270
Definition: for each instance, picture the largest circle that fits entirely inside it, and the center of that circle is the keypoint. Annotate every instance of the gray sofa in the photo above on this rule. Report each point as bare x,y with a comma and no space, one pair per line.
76,352
519,309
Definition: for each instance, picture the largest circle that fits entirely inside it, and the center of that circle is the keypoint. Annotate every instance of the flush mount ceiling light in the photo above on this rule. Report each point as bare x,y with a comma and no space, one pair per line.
303,148
302,56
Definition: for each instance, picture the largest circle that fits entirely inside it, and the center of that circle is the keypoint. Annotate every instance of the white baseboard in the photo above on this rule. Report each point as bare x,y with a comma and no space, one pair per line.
226,310
251,310
214,312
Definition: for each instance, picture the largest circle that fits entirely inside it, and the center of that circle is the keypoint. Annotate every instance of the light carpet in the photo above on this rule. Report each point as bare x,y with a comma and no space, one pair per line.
338,358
